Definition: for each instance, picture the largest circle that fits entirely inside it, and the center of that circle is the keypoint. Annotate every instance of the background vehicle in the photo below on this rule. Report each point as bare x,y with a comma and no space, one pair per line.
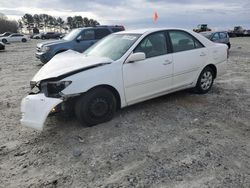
5,34
78,40
239,31
2,46
37,36
218,36
201,28
50,35
15,37
123,69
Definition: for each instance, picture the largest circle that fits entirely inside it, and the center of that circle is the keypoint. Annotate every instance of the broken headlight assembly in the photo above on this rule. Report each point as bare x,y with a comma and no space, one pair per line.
54,88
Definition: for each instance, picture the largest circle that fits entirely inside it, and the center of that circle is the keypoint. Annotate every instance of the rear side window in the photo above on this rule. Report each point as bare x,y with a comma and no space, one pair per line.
16,35
117,29
153,45
100,33
182,41
223,35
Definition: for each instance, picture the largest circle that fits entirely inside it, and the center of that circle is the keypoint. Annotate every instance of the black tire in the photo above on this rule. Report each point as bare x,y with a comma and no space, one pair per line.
24,40
229,45
96,106
205,81
4,41
43,38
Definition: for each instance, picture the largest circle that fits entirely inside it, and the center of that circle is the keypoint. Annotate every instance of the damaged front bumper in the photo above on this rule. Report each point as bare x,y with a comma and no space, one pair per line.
36,108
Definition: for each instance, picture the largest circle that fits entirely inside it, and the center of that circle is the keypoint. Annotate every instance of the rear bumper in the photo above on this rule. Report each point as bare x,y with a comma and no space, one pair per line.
35,110
221,68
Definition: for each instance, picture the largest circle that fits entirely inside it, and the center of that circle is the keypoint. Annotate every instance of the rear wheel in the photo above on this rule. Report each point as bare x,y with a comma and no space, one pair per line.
205,81
4,41
229,45
96,106
24,40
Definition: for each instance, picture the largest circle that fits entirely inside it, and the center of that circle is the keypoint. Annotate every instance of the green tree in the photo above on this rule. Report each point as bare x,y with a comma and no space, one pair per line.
60,23
28,21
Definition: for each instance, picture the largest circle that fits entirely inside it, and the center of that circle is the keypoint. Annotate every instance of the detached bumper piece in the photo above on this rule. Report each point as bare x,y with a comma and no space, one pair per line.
36,108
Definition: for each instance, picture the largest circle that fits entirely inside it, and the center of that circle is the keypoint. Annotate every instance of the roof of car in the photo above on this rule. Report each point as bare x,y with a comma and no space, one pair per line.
149,30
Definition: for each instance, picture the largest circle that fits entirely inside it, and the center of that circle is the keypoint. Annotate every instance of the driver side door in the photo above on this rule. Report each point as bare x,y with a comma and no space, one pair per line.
150,77
85,40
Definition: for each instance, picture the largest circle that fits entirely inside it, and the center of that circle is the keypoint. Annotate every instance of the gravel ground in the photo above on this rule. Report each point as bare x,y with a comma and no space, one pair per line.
178,140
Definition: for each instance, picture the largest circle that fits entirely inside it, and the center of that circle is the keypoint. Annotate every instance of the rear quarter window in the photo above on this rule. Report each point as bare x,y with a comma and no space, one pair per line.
100,33
117,29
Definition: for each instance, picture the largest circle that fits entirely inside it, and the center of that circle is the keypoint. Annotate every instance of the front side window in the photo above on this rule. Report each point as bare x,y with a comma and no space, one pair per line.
182,41
153,45
216,37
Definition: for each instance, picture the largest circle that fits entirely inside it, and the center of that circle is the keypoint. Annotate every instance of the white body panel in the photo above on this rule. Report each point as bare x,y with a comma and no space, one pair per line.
134,82
146,78
15,39
35,109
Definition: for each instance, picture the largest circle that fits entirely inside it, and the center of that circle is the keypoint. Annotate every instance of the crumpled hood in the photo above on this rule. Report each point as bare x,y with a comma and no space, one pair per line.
47,43
68,62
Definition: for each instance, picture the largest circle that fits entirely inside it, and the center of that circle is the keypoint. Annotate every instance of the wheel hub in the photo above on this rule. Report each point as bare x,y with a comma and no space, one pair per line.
206,80
99,107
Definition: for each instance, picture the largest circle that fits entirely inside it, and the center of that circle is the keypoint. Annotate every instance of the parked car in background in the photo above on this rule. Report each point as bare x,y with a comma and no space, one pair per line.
120,70
50,35
218,36
15,37
37,36
5,34
2,46
78,39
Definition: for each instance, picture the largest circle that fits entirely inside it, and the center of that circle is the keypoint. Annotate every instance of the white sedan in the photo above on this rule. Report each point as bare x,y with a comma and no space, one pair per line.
120,70
15,37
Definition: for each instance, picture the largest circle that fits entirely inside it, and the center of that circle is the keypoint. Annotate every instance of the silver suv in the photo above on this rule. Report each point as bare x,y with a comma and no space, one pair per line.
218,36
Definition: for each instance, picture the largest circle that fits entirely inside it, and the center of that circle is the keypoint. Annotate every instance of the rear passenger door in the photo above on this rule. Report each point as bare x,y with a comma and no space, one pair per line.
189,55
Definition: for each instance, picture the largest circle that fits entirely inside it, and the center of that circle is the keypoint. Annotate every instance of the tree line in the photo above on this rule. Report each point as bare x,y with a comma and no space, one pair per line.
47,22
7,25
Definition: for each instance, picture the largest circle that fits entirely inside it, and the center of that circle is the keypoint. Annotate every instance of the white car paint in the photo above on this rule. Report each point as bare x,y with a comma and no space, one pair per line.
15,37
134,82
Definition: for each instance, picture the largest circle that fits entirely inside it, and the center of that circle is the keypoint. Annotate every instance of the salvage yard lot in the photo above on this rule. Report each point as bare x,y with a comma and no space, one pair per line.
178,140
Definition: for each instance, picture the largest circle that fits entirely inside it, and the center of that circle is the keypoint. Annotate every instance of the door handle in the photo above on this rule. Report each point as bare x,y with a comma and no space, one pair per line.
167,62
203,54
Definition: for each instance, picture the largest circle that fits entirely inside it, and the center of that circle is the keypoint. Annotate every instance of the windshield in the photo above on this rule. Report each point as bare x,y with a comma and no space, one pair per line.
207,35
113,46
72,35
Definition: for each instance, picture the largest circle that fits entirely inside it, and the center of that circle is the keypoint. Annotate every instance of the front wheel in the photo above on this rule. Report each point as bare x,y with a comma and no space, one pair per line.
4,41
205,81
96,106
24,40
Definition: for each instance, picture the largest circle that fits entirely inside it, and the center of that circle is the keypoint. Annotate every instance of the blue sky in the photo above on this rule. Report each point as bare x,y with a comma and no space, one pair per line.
132,14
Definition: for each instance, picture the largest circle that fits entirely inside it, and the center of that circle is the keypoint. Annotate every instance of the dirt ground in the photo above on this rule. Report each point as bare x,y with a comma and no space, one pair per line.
178,140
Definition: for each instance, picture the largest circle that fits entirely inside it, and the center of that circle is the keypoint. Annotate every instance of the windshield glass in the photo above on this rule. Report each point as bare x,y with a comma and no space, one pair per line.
113,46
72,35
207,35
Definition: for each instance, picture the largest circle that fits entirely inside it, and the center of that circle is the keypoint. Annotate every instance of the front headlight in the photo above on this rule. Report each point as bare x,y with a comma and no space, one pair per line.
53,89
45,48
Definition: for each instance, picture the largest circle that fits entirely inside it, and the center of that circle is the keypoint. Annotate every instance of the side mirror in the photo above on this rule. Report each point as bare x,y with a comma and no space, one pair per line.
138,56
79,38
